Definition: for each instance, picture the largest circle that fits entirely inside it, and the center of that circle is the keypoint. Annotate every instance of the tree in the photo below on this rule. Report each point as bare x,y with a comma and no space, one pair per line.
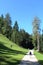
8,26
16,26
25,39
2,23
41,49
15,33
36,31
8,19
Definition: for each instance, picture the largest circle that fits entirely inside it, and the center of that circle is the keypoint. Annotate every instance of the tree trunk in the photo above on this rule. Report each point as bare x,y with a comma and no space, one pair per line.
38,47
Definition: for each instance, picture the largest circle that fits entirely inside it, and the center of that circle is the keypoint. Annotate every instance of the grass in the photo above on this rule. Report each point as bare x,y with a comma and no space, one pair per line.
10,53
39,56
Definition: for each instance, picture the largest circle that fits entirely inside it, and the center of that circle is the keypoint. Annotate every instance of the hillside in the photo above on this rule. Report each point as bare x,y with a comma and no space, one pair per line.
10,53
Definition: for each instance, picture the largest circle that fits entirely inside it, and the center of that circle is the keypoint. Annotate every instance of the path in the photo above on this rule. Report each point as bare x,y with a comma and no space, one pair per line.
29,60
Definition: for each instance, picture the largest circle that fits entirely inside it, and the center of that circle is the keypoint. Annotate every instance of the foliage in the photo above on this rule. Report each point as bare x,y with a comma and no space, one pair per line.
20,37
15,33
41,43
16,27
5,25
36,32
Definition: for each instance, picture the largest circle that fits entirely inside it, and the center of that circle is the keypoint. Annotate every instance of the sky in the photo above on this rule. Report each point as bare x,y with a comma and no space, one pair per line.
23,11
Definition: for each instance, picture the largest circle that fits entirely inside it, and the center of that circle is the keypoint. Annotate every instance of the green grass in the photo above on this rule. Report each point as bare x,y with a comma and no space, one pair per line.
39,56
10,55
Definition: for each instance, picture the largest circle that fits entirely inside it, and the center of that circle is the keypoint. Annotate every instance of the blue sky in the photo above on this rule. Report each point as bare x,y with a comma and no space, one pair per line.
23,11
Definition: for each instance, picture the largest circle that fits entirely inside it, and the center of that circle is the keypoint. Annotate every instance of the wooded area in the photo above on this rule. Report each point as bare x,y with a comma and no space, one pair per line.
20,36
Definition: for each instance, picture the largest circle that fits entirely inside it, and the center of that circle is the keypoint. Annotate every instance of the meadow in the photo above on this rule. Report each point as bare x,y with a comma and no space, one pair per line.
10,53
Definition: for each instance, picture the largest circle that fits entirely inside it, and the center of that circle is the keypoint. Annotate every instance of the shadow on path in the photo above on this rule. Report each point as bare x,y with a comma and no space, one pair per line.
26,62
30,60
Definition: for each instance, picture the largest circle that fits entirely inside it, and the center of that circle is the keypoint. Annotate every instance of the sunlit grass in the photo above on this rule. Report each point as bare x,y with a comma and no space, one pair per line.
10,55
39,56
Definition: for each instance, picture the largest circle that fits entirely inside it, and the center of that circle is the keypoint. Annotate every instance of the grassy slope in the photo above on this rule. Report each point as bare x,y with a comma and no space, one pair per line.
39,56
10,55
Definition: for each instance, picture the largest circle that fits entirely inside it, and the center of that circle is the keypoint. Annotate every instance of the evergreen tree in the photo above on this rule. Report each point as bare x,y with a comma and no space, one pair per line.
15,33
16,26
8,26
2,29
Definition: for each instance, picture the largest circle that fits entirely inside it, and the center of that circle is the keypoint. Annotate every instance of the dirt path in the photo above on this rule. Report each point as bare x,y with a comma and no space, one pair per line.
29,60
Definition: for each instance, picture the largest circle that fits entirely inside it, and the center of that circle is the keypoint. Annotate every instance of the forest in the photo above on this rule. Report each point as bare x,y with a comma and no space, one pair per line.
20,36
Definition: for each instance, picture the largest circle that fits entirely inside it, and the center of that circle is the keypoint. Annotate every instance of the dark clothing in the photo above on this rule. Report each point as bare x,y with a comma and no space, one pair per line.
30,53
